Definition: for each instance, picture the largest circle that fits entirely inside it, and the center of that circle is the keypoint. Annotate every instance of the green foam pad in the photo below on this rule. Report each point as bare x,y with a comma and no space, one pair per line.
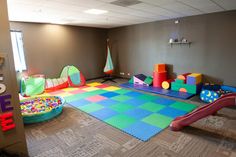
121,121
120,107
158,120
153,107
183,106
147,97
91,107
121,98
121,91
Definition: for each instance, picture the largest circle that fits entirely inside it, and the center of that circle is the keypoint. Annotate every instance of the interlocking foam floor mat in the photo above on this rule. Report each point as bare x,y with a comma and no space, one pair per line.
138,114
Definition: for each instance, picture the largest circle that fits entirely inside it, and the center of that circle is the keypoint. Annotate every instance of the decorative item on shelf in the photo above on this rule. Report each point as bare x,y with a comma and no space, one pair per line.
180,42
171,40
176,40
184,40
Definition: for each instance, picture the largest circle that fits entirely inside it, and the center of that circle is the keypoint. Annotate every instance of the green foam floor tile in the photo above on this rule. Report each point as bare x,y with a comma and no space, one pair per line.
147,97
91,107
153,107
122,91
74,97
120,107
121,121
183,106
121,98
97,92
158,120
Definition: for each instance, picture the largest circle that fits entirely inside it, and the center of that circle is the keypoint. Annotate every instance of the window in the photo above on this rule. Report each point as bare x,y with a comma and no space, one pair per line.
18,50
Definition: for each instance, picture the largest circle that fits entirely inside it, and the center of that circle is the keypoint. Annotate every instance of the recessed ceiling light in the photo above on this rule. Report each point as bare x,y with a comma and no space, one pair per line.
96,11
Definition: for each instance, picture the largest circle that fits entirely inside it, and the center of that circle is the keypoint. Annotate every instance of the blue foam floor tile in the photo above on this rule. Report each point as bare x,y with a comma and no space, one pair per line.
171,112
104,113
133,94
138,113
142,130
107,102
79,103
164,101
135,102
109,94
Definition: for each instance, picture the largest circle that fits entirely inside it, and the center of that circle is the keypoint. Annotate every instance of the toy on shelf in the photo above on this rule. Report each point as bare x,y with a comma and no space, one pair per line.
189,82
39,109
166,84
159,75
211,92
141,79
204,111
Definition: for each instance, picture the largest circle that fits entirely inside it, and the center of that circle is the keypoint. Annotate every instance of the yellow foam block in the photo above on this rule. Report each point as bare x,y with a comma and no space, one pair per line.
197,76
111,88
88,89
94,84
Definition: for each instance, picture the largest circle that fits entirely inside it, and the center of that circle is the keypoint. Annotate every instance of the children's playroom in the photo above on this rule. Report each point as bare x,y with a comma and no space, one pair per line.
117,78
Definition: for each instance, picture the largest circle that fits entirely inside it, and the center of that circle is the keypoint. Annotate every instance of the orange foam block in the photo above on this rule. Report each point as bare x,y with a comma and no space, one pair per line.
158,78
183,77
160,67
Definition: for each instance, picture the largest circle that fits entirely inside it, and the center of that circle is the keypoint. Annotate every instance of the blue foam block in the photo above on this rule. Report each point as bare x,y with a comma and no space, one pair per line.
142,130
171,93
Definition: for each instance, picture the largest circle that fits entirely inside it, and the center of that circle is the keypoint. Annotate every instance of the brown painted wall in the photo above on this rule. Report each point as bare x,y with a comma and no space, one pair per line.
48,48
137,48
12,140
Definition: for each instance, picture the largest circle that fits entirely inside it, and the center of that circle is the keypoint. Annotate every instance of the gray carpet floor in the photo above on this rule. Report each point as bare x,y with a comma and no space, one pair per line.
76,134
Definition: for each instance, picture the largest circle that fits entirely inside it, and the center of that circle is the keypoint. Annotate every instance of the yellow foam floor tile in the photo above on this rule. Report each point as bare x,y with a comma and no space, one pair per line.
69,89
89,89
94,84
111,88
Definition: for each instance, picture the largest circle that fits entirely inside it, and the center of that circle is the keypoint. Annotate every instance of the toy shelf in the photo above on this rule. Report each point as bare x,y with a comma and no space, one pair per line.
180,43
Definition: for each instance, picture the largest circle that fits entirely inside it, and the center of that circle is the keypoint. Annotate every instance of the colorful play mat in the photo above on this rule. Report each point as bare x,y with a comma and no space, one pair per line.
42,108
138,114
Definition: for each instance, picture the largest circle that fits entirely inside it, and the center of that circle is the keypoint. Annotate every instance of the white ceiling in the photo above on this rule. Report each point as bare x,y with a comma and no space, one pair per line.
71,12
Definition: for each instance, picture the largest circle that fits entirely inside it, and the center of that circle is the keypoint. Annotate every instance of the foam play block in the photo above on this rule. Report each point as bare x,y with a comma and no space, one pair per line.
148,80
158,78
166,84
194,78
183,77
193,89
179,81
139,79
131,80
157,90
160,67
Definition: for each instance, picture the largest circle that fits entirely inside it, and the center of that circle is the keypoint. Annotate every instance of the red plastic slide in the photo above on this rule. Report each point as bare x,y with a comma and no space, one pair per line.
204,111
